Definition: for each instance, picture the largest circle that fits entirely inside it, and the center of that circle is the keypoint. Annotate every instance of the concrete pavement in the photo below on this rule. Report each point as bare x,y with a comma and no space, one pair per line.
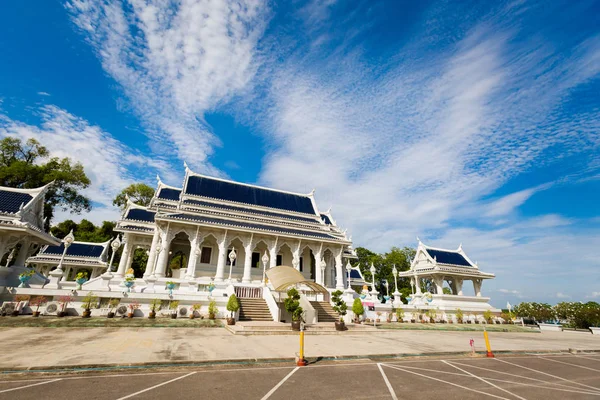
56,347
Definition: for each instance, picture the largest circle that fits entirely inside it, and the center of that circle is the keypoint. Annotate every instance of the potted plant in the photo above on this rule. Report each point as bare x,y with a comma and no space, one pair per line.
399,315
233,306
18,298
459,316
24,277
132,307
340,307
155,305
81,278
487,315
358,309
173,307
431,314
194,309
37,302
64,302
292,305
129,281
378,319
213,310
89,301
112,304
170,285
413,317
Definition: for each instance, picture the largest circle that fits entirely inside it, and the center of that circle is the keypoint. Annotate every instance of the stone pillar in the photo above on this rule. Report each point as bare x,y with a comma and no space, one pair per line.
94,273
273,255
23,253
417,285
439,284
67,272
222,259
247,277
123,263
477,287
339,271
193,260
163,258
459,285
318,273
152,254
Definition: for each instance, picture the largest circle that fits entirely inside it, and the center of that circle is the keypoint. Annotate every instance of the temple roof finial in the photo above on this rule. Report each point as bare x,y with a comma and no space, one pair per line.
158,178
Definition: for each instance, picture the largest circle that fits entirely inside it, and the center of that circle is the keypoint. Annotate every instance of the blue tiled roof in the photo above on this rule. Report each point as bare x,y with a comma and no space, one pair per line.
169,194
355,274
219,221
448,257
230,191
10,202
326,219
242,209
77,249
138,214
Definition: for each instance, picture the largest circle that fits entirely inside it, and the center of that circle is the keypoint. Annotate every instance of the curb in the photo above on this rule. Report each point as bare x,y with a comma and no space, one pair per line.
254,361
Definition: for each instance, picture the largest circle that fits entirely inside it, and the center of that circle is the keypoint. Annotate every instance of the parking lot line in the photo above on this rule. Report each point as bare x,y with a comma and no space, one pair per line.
545,373
483,380
28,386
281,382
573,365
155,386
525,377
443,381
387,382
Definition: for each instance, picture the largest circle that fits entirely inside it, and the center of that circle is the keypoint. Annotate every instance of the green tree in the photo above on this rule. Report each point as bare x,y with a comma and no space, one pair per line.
139,193
29,165
85,231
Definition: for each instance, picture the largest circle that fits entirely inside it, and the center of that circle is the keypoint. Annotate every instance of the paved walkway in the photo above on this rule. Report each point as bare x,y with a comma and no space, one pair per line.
45,347
561,377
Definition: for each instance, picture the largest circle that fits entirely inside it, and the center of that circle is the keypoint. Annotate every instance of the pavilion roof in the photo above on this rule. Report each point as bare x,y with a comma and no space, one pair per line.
82,253
449,257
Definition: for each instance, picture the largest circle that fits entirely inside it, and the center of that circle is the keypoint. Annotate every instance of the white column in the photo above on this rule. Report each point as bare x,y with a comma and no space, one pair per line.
417,285
125,257
439,284
152,255
477,286
163,258
273,255
23,252
221,260
247,263
193,260
318,273
459,286
339,271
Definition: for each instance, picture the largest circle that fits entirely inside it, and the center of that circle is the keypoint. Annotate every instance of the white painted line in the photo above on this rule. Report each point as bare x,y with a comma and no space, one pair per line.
522,377
483,380
545,373
589,357
441,380
574,390
437,371
25,387
387,382
574,365
155,386
281,382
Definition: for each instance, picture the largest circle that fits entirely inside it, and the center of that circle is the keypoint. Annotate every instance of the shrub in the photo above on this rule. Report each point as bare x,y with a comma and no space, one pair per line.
113,303
232,304
37,302
357,307
399,315
459,314
64,301
173,306
292,304
133,306
339,305
155,305
487,315
89,301
81,275
213,310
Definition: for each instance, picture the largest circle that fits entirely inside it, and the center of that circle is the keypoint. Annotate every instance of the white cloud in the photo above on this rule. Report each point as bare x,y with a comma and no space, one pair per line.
561,295
176,61
106,161
594,295
43,93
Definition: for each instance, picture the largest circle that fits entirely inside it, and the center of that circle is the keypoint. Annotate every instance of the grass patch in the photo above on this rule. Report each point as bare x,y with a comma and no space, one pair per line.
103,322
456,327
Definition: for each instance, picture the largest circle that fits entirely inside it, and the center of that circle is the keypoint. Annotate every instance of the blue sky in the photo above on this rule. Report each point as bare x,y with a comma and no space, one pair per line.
473,122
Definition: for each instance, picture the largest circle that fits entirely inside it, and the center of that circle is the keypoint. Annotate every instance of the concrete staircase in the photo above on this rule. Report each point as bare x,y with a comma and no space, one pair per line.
325,311
254,310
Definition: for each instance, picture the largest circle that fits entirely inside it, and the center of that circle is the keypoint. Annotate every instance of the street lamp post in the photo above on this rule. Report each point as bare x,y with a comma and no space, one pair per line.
348,269
232,257
374,291
323,266
265,260
397,301
67,241
116,243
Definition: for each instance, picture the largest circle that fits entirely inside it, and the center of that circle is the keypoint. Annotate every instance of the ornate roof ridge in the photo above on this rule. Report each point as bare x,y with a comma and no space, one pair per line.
253,210
261,208
307,195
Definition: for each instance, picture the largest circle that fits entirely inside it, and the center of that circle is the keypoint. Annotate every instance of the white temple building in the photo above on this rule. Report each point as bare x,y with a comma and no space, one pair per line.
434,267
